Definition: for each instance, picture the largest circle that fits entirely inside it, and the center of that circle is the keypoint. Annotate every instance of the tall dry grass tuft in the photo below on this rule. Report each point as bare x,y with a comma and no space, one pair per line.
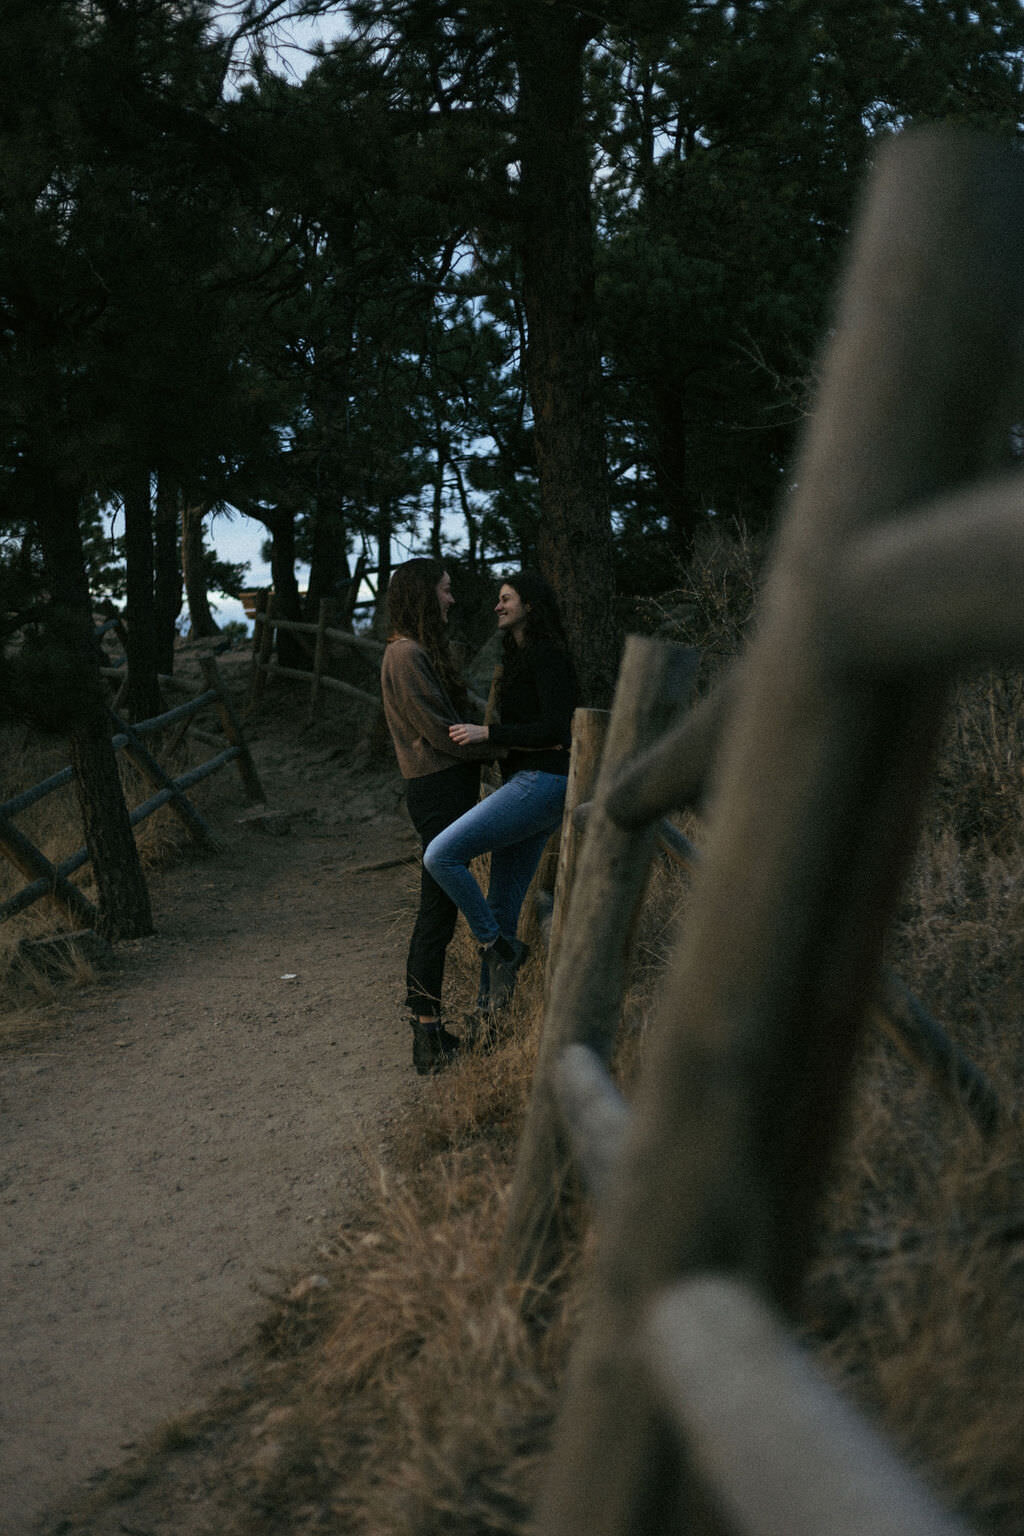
916,1300
980,773
917,1297
459,1394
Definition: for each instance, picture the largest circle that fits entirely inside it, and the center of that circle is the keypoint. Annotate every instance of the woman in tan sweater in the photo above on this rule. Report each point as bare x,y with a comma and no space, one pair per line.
423,696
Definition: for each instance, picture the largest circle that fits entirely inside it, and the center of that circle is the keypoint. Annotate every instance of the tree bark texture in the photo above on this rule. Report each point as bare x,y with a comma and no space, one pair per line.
328,567
555,240
125,911
143,698
123,897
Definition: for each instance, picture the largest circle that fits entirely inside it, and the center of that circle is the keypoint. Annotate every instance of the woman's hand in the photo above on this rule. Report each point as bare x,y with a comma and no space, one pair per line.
468,735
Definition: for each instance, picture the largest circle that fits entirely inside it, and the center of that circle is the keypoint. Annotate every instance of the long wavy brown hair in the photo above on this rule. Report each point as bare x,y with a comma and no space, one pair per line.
414,611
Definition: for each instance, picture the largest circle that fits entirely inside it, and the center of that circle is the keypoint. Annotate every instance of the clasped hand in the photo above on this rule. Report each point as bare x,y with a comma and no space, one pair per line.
466,735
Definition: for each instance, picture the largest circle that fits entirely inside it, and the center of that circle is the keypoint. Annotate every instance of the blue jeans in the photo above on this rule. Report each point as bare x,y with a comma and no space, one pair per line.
513,825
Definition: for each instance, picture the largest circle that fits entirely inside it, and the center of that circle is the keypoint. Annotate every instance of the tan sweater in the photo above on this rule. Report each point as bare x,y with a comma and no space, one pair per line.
419,712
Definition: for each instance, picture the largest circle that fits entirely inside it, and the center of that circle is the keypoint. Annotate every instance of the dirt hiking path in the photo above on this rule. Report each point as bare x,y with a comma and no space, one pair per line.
178,1139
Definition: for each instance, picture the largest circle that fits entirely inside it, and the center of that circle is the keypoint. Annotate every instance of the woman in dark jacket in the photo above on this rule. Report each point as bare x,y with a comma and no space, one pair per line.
423,697
537,697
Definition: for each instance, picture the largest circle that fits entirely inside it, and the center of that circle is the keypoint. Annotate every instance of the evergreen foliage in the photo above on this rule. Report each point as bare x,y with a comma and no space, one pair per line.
370,302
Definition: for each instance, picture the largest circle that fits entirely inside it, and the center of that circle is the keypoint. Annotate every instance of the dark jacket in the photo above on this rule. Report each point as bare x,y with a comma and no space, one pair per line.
537,697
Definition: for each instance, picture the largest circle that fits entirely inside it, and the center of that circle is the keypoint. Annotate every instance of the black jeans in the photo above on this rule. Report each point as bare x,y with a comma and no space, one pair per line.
434,802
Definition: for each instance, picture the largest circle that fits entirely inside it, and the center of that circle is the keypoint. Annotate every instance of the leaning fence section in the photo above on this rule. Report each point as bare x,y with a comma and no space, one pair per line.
322,641
47,879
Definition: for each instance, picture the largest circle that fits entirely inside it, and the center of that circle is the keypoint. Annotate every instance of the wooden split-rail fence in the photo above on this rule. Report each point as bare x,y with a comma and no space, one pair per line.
47,879
689,1405
320,637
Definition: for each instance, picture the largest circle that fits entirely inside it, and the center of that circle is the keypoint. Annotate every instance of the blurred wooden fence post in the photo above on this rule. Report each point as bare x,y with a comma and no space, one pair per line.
817,785
780,1447
584,997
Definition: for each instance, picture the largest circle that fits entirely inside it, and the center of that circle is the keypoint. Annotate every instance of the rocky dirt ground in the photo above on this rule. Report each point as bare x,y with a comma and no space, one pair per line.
181,1136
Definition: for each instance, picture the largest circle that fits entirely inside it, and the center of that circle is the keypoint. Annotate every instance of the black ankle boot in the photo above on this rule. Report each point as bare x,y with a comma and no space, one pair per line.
433,1048
503,959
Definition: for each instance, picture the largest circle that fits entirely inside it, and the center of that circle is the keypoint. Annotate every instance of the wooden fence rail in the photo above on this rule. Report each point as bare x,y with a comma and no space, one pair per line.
816,752
265,669
897,1012
52,880
731,1376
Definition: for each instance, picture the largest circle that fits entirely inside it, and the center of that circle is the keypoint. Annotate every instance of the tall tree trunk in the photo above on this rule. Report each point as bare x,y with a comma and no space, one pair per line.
328,568
555,240
143,700
168,578
124,905
125,911
472,552
287,602
202,623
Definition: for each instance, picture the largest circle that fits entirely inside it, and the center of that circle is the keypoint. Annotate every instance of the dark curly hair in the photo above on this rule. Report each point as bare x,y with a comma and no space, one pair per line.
543,624
414,611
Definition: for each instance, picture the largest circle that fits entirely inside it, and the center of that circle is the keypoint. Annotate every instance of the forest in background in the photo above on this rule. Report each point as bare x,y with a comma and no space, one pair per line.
529,282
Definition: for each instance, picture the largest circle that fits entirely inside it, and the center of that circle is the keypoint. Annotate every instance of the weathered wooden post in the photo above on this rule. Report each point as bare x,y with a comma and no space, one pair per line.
319,656
264,628
589,730
233,731
585,993
814,801
147,764
780,1447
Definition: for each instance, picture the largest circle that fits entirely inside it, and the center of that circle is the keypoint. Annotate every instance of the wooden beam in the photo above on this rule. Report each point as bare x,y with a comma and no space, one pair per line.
778,1446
